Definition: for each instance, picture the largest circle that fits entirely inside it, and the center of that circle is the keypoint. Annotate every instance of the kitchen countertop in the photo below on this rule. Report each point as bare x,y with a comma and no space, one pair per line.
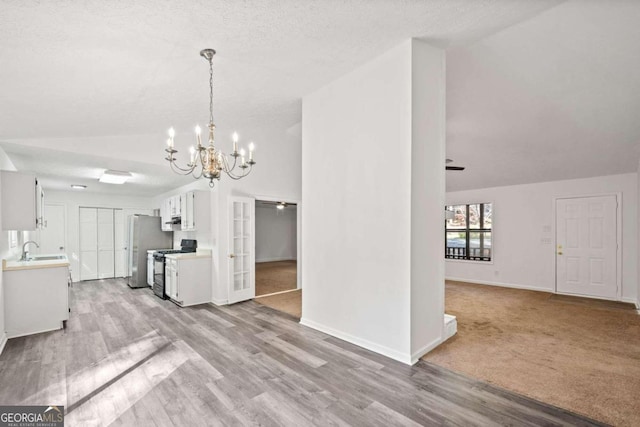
13,265
204,253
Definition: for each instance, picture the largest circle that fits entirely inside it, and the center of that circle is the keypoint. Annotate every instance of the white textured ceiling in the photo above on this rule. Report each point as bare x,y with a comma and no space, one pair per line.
58,170
555,97
100,77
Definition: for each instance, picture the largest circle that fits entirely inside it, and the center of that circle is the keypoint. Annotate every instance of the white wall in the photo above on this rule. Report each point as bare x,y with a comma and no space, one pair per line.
524,216
276,233
5,250
73,200
361,191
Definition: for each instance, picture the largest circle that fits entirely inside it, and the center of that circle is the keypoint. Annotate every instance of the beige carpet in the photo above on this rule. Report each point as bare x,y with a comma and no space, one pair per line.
274,277
578,354
288,302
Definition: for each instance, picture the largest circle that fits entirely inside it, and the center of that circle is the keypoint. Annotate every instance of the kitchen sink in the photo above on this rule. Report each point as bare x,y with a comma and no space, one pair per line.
46,257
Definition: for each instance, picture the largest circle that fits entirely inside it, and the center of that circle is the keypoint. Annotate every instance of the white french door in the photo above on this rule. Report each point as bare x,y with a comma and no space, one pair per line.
242,285
586,251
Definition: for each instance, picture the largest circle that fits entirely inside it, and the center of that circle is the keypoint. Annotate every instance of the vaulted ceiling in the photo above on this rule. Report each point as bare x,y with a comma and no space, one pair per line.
106,79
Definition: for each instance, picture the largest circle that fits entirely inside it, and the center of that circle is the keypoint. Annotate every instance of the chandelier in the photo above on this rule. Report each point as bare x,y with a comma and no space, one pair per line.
208,162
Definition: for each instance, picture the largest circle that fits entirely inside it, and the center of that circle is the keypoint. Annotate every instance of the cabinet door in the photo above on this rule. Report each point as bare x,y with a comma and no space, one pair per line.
184,222
176,202
190,207
165,213
150,270
39,206
176,281
168,285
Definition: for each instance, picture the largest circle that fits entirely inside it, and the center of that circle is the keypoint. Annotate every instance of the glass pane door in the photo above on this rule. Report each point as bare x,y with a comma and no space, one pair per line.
241,249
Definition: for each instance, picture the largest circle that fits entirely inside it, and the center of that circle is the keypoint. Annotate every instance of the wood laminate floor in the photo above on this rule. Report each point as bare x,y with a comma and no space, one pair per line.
128,358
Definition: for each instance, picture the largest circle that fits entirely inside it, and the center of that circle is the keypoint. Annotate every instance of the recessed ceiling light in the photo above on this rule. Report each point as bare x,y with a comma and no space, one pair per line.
78,186
114,177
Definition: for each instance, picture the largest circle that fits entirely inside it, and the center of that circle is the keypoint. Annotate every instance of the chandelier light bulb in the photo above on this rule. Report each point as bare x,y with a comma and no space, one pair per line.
252,147
172,133
235,142
198,130
169,144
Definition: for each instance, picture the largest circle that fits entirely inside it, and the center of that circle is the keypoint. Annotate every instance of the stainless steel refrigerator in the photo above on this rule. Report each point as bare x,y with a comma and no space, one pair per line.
145,233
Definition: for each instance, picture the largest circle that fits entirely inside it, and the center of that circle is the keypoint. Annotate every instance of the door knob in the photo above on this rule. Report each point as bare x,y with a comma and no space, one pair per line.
559,253
232,256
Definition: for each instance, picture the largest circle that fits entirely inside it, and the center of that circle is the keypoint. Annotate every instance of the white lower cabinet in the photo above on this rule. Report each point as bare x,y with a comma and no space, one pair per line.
36,300
188,278
150,268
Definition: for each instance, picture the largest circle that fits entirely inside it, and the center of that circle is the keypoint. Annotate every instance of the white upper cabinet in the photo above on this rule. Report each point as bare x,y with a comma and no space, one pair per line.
22,202
165,214
196,211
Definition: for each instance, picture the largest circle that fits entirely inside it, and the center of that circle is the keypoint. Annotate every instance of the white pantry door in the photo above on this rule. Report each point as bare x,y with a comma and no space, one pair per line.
53,235
120,244
88,243
586,246
242,284
106,253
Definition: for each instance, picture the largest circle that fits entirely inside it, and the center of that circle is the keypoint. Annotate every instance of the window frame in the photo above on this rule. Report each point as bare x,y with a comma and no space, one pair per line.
468,230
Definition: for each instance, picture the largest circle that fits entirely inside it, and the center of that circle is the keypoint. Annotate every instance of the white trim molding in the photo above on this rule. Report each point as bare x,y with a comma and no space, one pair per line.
3,341
501,285
376,348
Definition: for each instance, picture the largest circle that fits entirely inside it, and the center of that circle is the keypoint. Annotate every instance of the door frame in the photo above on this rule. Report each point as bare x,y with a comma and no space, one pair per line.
298,204
618,196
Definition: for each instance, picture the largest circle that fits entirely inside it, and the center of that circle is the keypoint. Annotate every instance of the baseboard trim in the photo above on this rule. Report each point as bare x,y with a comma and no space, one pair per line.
18,335
500,284
534,288
258,261
218,302
3,342
425,349
376,348
631,301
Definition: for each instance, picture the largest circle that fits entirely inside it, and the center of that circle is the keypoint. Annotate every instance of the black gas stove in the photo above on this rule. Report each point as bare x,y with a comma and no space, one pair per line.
186,246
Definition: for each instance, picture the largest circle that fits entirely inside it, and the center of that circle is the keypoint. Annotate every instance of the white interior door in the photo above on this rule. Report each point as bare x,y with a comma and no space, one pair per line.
52,237
88,243
106,249
120,243
242,285
586,251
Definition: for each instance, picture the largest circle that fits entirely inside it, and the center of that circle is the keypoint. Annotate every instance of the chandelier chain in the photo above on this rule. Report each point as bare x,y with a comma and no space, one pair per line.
210,91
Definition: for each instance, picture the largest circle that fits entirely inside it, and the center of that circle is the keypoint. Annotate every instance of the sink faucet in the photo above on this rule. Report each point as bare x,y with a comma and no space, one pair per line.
24,249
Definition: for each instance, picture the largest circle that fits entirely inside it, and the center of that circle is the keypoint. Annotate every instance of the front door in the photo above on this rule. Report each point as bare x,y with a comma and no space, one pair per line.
586,246
242,285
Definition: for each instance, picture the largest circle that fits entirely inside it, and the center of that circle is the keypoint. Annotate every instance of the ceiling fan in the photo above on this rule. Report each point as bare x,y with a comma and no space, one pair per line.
453,168
278,205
